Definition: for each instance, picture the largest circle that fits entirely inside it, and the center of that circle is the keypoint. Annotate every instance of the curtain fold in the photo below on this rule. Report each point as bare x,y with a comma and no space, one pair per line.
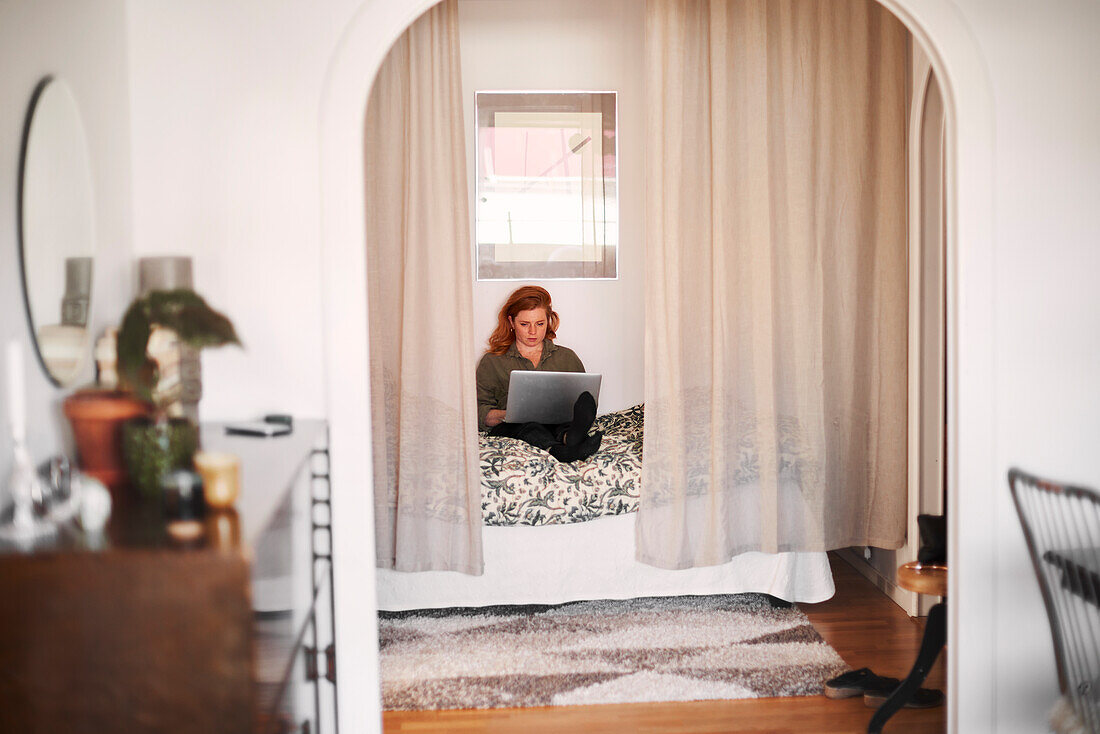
776,279
419,282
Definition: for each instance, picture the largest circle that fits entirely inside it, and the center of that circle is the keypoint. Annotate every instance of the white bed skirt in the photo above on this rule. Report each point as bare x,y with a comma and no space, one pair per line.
553,564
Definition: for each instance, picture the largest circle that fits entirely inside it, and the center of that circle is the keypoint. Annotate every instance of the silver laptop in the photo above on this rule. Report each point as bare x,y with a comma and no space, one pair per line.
547,397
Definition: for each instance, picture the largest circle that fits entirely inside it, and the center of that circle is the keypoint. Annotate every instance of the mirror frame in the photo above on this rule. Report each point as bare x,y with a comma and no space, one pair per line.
24,149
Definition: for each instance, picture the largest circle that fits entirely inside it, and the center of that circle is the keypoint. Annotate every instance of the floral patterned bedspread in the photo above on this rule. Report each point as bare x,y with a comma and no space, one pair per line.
522,485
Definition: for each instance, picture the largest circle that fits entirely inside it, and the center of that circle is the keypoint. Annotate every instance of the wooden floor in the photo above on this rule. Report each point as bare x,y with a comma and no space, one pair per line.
862,624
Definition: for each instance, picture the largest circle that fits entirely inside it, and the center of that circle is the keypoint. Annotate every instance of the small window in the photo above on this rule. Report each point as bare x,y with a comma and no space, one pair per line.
547,186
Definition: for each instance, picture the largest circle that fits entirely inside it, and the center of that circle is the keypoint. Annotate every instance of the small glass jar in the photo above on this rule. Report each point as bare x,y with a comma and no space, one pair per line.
184,504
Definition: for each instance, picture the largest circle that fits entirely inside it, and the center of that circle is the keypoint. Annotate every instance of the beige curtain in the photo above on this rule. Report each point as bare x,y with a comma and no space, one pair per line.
776,279
423,408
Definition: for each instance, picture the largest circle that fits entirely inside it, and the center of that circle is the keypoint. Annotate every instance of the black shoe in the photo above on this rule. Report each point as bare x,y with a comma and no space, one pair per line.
584,413
922,698
860,683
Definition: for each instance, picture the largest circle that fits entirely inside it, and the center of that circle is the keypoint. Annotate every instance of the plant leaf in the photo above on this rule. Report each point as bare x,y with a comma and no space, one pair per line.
181,310
186,313
136,370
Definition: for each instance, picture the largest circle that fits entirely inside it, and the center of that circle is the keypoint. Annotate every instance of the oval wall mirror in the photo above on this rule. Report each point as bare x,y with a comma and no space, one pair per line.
57,230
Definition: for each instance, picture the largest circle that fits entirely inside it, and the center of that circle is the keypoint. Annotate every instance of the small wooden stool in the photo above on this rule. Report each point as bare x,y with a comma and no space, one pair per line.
923,579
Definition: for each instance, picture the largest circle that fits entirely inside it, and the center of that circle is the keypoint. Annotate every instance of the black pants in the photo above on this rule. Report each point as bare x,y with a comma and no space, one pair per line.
540,435
546,436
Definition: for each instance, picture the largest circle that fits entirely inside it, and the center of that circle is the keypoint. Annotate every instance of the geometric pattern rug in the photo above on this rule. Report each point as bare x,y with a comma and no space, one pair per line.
684,648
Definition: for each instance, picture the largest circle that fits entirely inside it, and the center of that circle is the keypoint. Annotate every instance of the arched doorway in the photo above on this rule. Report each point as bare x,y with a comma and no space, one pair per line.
957,63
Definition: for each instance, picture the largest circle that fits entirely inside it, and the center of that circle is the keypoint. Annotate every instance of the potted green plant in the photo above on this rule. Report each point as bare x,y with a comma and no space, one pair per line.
154,445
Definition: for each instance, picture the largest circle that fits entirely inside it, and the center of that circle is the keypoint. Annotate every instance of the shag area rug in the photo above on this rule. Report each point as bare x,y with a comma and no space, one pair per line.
683,648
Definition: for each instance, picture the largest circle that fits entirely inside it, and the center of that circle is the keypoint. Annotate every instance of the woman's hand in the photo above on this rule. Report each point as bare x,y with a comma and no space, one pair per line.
494,417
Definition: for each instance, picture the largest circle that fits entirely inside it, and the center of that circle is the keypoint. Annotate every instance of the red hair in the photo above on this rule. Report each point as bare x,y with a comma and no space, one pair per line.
525,298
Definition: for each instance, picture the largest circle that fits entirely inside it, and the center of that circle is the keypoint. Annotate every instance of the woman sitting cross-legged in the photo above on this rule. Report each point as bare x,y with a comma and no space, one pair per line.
522,340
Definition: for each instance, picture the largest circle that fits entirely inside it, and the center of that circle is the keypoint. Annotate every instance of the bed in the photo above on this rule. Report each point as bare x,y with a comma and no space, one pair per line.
564,532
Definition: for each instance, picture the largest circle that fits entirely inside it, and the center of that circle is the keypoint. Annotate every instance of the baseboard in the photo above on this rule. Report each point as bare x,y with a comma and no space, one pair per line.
907,600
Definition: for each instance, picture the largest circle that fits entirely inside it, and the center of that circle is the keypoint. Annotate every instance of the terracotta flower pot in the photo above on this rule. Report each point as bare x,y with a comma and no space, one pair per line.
97,417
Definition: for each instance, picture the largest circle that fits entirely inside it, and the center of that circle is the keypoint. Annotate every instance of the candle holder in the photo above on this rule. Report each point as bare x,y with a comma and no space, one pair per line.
221,477
27,526
23,486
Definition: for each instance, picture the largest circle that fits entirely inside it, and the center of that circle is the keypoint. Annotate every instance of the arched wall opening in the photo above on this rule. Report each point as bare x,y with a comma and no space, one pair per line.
957,63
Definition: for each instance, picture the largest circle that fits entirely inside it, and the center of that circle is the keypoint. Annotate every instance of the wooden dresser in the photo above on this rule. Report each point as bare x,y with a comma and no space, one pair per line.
135,632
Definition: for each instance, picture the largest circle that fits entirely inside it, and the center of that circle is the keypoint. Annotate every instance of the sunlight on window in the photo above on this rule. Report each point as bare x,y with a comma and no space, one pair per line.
546,185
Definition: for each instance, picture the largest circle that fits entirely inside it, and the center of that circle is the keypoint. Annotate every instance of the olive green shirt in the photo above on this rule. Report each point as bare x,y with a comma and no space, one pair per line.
494,369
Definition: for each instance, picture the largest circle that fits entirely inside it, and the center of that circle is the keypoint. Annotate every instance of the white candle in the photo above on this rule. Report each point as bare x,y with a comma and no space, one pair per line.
17,411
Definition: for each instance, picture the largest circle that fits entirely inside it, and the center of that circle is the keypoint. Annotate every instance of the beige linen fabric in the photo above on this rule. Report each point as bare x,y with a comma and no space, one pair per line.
420,303
776,279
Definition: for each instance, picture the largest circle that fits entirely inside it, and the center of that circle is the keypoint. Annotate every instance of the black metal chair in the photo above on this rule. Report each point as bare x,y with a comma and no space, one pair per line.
1062,527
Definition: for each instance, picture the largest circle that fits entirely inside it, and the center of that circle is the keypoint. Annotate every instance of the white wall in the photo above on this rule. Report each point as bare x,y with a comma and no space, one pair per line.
226,99
84,44
1042,60
572,45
